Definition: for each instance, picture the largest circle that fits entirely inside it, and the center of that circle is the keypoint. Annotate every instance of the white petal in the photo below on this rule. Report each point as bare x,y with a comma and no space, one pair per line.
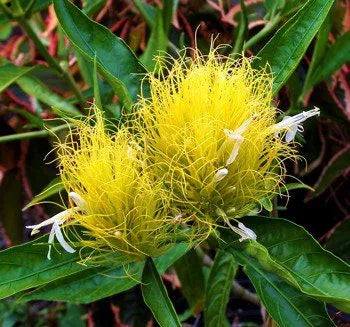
292,131
51,237
79,201
60,238
234,153
220,174
61,217
249,233
290,121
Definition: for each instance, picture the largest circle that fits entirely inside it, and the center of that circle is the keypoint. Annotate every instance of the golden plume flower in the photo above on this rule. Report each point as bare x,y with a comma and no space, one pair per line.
209,131
117,203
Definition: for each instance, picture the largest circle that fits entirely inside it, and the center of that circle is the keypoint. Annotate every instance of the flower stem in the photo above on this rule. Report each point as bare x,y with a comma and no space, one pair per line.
35,134
269,27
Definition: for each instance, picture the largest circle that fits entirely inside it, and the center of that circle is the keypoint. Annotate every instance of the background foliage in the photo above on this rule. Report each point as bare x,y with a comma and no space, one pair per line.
48,54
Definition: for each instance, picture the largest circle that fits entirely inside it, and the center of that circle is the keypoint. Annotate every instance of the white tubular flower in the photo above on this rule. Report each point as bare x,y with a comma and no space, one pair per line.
237,137
292,123
58,220
220,174
245,232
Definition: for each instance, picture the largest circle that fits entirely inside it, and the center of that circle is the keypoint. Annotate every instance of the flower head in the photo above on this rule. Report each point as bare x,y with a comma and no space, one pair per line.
209,131
117,203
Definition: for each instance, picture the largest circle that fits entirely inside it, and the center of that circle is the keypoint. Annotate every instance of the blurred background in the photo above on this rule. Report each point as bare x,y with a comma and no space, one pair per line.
321,79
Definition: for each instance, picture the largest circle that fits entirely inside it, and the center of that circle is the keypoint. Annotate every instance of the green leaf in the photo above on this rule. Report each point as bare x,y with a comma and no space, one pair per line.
93,7
339,241
97,283
156,296
147,11
286,48
290,252
97,95
116,62
189,271
319,51
218,289
10,73
31,85
157,42
26,266
168,9
54,187
333,59
285,304
337,165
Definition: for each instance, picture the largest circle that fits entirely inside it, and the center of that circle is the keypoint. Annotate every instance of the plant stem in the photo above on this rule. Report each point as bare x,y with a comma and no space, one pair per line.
51,60
35,134
269,27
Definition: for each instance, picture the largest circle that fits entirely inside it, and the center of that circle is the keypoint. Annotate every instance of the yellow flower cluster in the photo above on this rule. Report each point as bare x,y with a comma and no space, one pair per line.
208,130
203,150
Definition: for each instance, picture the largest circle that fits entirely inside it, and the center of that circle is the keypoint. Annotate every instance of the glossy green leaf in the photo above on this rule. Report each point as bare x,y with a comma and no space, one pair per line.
333,59
26,266
290,252
339,242
97,283
157,42
189,270
284,303
10,73
319,51
116,62
286,48
54,187
31,85
156,296
218,289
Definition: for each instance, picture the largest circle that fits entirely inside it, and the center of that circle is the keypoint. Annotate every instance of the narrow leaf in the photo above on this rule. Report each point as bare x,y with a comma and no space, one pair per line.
336,56
97,283
286,48
97,96
218,289
116,62
285,304
290,252
156,43
189,271
10,73
156,296
54,187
